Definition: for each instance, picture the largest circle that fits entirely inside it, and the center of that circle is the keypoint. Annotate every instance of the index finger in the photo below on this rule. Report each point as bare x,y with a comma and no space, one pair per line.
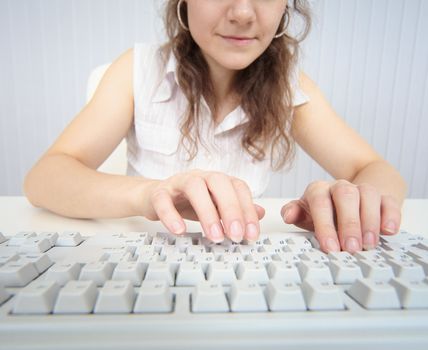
321,208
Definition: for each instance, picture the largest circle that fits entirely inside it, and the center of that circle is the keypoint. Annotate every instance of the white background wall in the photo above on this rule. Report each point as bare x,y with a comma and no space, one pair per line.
370,57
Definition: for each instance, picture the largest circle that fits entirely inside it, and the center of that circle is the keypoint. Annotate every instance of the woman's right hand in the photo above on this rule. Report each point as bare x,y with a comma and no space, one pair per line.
223,204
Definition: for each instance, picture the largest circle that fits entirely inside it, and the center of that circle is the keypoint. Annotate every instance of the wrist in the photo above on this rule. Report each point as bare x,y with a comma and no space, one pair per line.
141,204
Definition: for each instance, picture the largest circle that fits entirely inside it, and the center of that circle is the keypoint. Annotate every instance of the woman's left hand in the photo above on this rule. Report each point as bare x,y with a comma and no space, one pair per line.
344,216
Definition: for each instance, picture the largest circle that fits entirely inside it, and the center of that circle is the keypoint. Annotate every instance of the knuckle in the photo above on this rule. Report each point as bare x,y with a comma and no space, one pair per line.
321,202
326,228
351,225
344,189
365,187
192,181
316,185
216,177
240,184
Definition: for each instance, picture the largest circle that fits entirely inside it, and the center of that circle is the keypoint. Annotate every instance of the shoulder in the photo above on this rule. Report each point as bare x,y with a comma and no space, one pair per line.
134,57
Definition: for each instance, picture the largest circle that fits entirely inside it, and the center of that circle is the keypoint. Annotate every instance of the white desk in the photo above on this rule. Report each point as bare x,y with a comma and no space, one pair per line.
17,214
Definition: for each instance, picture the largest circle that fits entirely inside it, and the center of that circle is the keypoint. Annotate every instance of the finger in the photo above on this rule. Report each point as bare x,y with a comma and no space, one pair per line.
195,189
164,207
291,212
390,215
260,211
251,218
346,199
370,203
317,195
228,204
297,212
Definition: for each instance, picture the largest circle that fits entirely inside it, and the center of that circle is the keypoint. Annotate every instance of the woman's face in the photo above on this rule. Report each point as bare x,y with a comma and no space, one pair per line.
234,33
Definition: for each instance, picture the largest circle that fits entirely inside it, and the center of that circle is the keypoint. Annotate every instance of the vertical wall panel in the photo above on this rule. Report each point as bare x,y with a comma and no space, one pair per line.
368,56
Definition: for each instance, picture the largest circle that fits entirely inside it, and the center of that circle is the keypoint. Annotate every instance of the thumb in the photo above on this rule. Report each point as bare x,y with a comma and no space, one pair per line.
260,211
291,212
295,213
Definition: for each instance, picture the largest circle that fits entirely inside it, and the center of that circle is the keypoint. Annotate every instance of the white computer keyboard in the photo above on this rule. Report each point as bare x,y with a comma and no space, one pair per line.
281,289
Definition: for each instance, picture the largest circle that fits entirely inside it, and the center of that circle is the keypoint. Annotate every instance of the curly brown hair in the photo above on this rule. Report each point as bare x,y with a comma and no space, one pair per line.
264,87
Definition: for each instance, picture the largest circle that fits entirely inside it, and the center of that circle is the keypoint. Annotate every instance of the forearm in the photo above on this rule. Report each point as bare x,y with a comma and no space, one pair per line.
384,178
65,186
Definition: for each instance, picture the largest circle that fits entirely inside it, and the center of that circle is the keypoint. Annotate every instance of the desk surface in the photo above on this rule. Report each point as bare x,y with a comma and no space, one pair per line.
17,214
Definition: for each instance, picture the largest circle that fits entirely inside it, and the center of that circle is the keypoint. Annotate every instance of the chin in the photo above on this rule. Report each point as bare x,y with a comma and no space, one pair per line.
236,64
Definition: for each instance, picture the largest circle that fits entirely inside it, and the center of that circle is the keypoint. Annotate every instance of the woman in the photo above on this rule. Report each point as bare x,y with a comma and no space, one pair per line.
207,118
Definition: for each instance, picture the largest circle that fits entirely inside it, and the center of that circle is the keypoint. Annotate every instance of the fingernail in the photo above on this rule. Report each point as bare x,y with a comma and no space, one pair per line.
177,227
331,245
352,245
236,232
216,235
390,227
252,232
369,240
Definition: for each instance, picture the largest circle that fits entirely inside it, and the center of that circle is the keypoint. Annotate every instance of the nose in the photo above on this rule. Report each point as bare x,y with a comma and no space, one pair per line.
242,11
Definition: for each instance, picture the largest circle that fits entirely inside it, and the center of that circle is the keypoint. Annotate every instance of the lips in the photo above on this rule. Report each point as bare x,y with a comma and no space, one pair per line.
238,40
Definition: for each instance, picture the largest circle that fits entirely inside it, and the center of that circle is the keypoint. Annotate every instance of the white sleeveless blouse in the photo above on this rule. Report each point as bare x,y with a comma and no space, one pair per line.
154,138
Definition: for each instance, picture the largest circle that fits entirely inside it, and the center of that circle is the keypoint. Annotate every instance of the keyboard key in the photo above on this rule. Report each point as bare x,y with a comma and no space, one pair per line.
408,270
205,259
374,294
51,236
154,296
232,258
35,245
246,296
209,296
98,272
115,297
222,272
160,270
341,256
42,261
284,296
417,253
370,255
4,294
81,254
17,273
424,264
403,238
396,255
36,298
183,243
76,297
69,239
5,257
252,271
314,270
376,270
63,272
175,260
261,258
20,237
344,271
412,294
314,255
289,258
322,295
284,272
129,270
146,259
189,274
